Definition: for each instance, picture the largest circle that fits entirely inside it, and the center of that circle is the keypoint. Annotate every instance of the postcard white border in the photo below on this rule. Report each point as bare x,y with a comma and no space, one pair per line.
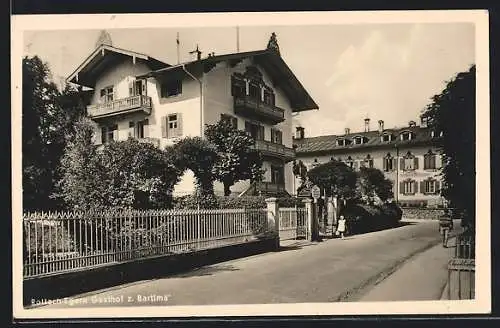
482,303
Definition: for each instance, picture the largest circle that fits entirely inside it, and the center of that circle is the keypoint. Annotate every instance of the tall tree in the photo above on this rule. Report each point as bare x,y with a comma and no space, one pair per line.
453,113
41,137
236,159
199,156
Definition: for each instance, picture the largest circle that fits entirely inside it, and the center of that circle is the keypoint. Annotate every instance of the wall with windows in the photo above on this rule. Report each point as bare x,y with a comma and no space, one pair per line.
219,100
417,179
118,77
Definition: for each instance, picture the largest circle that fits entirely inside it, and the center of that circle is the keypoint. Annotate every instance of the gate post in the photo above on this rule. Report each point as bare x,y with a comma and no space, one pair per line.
273,219
310,209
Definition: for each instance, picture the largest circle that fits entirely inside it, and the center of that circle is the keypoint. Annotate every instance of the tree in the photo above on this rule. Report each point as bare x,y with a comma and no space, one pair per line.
48,118
335,177
40,134
82,185
452,112
199,156
372,185
236,159
300,171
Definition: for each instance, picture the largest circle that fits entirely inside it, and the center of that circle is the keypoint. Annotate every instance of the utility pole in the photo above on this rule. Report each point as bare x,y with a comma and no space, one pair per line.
178,45
237,39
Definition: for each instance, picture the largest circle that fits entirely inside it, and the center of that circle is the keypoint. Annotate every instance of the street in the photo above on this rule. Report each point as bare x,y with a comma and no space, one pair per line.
327,271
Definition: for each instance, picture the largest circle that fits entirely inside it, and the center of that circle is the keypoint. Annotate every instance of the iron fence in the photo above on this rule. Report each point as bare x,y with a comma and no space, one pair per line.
65,241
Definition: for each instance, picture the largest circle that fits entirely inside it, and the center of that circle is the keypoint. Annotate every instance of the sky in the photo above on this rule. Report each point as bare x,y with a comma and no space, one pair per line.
381,71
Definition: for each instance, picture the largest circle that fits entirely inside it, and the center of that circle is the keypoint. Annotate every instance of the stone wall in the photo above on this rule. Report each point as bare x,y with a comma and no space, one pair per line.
421,213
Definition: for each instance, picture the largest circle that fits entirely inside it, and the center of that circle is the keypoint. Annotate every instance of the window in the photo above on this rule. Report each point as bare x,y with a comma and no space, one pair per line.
276,136
389,163
358,140
107,94
238,86
277,175
142,127
254,91
408,187
108,133
350,162
171,125
430,186
430,161
341,142
233,121
386,137
409,162
368,162
256,131
268,97
171,88
137,87
406,136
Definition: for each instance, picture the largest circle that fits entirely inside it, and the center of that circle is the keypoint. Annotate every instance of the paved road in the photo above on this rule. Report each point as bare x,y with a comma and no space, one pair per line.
329,271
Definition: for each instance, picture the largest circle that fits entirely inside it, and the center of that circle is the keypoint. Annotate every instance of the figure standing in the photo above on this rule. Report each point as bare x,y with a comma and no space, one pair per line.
445,226
341,226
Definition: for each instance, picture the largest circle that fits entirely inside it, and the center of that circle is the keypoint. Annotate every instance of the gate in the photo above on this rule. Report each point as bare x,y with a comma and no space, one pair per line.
292,223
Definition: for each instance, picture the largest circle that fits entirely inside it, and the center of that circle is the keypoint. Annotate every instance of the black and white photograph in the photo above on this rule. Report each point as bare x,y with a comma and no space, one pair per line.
236,164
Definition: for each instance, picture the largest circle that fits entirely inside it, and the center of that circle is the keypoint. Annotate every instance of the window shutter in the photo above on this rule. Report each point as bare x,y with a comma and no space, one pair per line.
422,187
438,188
179,125
131,88
415,160
439,161
164,127
261,132
402,188
143,86
116,135
433,161
402,164
394,164
103,134
384,164
273,135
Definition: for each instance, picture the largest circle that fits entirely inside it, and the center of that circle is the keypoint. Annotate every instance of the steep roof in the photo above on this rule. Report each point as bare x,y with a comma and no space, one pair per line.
281,75
104,56
328,144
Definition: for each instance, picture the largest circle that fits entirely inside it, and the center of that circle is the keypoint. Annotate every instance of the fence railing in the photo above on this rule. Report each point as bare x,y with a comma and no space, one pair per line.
65,241
292,223
465,247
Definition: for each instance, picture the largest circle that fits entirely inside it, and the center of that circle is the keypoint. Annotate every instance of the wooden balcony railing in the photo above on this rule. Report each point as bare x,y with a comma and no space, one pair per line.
276,150
121,106
251,107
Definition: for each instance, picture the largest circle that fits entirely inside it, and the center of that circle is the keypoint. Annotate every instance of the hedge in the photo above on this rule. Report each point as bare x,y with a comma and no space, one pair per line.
227,202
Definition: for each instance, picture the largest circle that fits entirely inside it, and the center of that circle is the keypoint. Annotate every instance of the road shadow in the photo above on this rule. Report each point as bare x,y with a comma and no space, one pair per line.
205,271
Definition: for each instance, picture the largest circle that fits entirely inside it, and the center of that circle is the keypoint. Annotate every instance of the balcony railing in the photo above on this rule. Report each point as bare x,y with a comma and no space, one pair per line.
121,106
275,150
251,107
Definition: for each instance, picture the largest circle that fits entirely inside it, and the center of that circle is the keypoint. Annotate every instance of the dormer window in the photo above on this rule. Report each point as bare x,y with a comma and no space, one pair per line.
341,142
386,137
406,136
359,140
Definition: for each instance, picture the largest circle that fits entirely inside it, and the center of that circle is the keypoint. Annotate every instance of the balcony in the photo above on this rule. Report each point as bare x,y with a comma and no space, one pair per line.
274,150
252,108
128,105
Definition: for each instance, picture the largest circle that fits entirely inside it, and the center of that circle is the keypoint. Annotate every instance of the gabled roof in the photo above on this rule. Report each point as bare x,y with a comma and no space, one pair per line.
328,144
281,75
104,56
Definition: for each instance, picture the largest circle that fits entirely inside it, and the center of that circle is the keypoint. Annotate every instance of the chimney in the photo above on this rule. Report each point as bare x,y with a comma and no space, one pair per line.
299,133
412,124
367,124
347,130
380,126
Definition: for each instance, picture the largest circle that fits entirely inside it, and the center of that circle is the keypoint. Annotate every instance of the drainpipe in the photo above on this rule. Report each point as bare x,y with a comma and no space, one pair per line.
397,173
201,97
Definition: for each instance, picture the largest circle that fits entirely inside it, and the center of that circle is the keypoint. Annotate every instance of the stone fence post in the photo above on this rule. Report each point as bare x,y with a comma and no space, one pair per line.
273,219
312,224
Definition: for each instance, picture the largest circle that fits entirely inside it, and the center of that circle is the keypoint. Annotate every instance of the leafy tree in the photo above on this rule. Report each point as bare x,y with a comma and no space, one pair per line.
83,182
48,117
236,159
335,177
372,185
199,156
453,113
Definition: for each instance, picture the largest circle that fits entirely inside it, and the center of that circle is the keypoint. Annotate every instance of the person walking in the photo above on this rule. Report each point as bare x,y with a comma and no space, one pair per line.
445,226
341,226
